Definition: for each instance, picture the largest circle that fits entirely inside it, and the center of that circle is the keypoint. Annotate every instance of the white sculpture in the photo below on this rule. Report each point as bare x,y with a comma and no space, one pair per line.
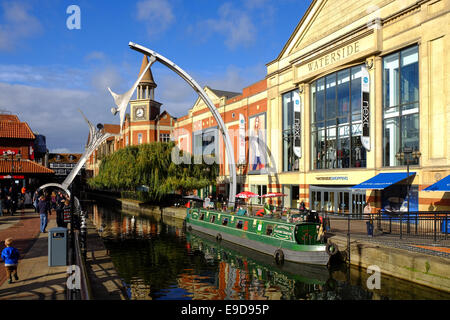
122,100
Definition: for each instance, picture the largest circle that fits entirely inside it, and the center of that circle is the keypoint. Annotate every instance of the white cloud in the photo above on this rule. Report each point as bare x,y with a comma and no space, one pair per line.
157,15
233,24
17,24
108,77
53,112
60,150
95,56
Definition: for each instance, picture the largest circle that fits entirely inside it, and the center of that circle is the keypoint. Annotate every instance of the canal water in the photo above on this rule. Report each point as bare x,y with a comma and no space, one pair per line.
158,259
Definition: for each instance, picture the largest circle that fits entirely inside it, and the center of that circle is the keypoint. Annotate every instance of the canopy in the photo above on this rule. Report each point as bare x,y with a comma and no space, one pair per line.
192,197
383,180
441,185
273,195
246,195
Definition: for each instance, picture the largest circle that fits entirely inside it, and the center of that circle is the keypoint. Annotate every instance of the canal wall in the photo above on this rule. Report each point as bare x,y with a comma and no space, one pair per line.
139,207
429,270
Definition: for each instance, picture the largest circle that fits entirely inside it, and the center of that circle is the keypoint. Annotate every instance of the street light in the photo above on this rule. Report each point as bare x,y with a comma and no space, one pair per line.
408,154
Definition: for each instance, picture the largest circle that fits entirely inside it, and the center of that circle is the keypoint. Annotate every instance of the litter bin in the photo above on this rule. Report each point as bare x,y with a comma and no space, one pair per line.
369,228
57,247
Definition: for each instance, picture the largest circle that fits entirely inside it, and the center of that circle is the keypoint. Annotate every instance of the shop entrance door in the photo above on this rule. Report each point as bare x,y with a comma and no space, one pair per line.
344,202
358,203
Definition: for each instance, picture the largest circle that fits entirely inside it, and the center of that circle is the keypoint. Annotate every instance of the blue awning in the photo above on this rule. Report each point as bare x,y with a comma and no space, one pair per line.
383,180
441,185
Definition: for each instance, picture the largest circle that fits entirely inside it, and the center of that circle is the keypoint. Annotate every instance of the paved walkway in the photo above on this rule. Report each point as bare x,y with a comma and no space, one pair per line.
358,230
37,281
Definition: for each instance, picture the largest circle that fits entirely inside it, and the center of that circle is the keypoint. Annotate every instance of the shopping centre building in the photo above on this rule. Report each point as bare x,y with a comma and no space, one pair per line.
360,89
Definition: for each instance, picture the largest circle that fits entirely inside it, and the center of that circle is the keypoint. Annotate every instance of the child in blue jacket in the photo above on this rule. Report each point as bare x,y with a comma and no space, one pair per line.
10,256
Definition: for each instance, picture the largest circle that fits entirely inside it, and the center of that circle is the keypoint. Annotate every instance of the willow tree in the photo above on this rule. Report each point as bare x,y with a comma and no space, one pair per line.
151,165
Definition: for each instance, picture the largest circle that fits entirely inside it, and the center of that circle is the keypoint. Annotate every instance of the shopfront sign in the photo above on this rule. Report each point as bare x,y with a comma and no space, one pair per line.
12,177
9,151
297,123
334,56
334,178
316,63
365,108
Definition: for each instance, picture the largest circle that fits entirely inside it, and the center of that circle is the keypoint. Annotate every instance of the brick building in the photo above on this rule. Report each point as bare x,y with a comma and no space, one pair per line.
17,154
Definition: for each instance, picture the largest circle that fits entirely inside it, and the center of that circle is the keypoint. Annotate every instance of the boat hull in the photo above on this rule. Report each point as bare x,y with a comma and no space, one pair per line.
317,254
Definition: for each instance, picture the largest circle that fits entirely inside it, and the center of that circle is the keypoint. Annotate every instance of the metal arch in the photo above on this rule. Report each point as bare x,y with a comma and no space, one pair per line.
57,185
208,102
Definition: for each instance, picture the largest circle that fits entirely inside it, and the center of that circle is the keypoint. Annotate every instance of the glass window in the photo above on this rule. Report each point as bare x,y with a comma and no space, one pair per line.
290,160
400,104
336,121
343,94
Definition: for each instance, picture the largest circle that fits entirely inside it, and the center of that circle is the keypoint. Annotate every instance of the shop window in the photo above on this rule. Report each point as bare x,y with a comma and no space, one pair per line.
260,190
400,105
336,127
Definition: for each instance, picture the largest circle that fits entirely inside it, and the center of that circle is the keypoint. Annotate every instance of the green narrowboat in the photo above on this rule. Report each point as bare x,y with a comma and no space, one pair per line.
295,242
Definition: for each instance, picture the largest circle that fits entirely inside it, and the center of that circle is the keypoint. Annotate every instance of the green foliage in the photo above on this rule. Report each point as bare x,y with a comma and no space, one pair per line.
151,165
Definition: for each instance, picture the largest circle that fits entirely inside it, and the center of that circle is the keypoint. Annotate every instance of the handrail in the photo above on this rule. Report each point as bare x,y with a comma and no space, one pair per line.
86,290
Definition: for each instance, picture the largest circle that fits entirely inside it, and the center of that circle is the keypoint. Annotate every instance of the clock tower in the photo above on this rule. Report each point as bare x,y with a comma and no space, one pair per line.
145,108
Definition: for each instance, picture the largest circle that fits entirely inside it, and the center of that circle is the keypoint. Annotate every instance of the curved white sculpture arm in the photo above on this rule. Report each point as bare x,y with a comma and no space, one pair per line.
122,100
96,137
226,138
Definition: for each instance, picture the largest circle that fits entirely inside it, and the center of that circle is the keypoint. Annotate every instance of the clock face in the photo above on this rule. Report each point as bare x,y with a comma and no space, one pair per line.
139,112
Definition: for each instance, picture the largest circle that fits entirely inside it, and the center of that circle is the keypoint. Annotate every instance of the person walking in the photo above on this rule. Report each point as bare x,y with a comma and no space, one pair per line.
36,201
10,256
44,209
60,213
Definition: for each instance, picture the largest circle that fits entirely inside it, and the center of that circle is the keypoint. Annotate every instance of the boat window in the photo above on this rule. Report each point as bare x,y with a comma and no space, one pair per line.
225,221
213,218
202,216
239,224
269,230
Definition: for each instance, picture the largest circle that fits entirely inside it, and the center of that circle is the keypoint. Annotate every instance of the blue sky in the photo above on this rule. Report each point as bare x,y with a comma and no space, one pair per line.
47,71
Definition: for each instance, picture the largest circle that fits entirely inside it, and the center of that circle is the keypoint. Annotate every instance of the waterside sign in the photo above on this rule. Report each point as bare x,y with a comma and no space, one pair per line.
320,62
334,56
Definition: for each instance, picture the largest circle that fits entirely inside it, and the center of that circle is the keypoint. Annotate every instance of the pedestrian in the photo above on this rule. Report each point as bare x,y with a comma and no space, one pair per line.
10,256
302,207
60,213
44,209
36,201
53,201
28,202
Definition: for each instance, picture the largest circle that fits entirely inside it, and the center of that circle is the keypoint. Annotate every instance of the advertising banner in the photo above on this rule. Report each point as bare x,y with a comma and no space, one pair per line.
365,109
241,139
297,125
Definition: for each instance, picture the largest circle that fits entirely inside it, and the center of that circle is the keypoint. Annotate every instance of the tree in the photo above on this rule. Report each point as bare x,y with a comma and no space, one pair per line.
151,165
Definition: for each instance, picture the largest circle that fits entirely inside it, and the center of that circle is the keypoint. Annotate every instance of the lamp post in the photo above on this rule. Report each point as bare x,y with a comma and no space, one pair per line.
408,154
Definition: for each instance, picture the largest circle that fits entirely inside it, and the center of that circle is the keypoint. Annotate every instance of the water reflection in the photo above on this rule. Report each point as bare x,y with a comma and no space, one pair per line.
159,260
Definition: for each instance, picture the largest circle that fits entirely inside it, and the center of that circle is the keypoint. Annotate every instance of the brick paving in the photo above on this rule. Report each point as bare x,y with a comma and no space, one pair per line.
37,281
23,227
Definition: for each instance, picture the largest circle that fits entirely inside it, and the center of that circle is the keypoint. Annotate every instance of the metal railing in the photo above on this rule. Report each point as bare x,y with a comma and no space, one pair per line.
433,225
77,253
